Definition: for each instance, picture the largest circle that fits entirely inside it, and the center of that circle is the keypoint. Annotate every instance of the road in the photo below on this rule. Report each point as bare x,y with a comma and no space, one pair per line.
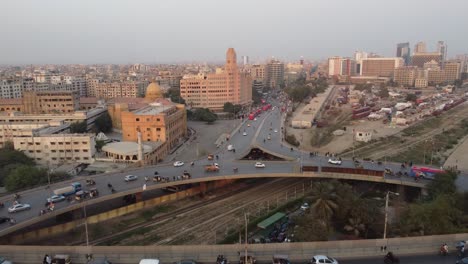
413,259
257,134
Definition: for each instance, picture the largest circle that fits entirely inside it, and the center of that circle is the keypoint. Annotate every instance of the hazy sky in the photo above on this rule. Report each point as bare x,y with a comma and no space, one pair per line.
157,31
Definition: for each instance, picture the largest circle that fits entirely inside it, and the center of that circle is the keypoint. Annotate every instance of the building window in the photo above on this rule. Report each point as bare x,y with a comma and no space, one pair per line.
157,119
85,150
158,129
138,119
52,143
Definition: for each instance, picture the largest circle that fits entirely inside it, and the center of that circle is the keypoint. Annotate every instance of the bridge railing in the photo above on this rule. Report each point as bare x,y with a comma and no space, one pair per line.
353,171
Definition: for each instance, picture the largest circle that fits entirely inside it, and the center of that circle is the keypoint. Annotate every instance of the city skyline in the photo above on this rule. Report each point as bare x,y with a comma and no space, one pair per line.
121,32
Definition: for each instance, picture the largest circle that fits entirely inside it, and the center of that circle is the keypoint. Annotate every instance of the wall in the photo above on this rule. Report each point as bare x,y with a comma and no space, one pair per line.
263,252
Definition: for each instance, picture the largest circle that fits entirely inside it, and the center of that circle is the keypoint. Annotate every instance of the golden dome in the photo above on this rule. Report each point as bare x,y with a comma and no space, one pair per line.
153,92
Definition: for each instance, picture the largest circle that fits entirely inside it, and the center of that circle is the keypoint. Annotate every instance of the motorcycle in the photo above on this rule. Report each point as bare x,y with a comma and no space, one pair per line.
390,258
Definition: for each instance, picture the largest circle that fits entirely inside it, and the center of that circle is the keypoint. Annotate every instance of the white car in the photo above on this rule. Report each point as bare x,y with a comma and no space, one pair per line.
244,134
178,164
259,165
334,161
255,119
19,207
320,259
276,130
56,198
131,178
305,206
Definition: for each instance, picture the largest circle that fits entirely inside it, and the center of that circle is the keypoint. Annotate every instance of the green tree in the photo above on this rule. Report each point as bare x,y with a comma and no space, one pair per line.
24,176
383,93
411,97
228,107
308,228
291,139
174,95
443,183
99,145
256,97
204,114
323,198
355,225
79,127
10,159
104,123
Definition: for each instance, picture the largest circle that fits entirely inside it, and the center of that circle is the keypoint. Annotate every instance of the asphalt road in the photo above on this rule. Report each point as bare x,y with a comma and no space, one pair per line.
416,259
256,133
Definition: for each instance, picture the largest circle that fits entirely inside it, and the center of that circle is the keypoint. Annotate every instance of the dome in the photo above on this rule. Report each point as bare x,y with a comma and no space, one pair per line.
153,92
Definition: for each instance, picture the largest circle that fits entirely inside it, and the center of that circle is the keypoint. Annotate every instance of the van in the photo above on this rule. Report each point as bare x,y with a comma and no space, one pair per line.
230,147
149,261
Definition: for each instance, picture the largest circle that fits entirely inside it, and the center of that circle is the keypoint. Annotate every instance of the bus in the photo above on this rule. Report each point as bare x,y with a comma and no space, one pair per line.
425,172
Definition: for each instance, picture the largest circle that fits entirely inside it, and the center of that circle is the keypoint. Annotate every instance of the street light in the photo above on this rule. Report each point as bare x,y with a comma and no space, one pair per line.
386,211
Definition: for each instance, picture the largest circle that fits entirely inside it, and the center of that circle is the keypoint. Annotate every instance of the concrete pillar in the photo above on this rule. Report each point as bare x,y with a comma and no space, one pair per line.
203,188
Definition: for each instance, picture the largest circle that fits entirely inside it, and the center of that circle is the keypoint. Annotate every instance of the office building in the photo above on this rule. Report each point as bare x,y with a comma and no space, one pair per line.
334,66
274,74
257,72
403,51
420,47
380,67
112,89
405,75
418,59
213,90
452,71
358,57
348,67
10,89
245,60
442,49
47,102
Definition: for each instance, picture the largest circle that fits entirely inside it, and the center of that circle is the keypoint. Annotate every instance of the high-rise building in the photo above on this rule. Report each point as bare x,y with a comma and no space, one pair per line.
403,51
405,75
418,59
257,71
213,90
380,67
442,49
420,47
452,71
348,67
358,57
334,66
274,74
245,60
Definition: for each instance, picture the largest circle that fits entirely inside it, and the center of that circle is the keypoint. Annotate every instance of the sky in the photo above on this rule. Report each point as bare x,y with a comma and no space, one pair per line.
157,31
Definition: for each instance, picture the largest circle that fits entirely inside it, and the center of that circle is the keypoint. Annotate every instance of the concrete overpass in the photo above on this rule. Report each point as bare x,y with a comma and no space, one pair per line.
295,164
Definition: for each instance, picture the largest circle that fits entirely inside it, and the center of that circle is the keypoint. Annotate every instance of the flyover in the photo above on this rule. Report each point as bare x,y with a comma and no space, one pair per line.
296,164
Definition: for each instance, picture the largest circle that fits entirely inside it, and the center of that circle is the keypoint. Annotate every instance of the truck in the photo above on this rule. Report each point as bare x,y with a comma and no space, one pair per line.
211,168
69,190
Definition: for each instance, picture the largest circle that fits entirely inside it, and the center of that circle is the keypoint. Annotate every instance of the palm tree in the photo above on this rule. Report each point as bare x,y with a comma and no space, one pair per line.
355,225
323,199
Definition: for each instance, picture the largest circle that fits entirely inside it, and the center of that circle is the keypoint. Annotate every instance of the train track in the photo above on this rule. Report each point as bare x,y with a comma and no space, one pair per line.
381,149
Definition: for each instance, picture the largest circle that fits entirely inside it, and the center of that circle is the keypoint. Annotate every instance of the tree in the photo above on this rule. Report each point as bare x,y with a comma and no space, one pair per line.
79,127
443,183
10,159
411,97
174,95
308,228
204,114
291,139
23,176
104,123
383,93
99,145
256,97
228,107
355,225
323,199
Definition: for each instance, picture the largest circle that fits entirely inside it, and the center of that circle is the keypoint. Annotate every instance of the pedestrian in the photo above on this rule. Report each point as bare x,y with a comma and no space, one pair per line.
44,261
48,259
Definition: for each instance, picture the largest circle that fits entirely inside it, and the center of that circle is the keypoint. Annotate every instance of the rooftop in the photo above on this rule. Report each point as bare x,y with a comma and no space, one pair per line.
130,148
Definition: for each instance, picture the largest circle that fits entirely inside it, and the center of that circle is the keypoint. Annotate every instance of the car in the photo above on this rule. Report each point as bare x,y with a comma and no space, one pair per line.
334,161
19,207
230,147
178,164
269,137
4,219
131,178
276,130
259,165
244,134
320,259
305,206
56,198
248,125
255,119
4,261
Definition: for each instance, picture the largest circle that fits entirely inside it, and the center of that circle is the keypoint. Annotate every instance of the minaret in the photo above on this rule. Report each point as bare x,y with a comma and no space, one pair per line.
140,147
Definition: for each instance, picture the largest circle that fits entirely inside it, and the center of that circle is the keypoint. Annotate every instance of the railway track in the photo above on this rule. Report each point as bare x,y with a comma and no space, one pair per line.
381,149
187,219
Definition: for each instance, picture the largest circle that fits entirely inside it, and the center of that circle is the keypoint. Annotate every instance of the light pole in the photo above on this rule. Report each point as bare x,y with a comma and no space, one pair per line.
386,211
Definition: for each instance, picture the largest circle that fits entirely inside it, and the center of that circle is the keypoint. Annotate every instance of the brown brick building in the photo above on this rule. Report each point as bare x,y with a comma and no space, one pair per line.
50,102
380,67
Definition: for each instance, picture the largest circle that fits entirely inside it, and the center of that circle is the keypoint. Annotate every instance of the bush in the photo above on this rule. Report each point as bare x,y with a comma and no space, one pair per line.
291,139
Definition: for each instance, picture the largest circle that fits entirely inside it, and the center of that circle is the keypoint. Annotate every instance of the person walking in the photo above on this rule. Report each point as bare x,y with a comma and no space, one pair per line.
48,259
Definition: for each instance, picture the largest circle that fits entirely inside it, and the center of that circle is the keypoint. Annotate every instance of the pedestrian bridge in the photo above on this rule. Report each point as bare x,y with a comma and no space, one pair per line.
304,172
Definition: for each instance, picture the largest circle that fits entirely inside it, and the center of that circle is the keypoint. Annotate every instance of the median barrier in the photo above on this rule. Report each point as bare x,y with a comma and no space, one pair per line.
263,252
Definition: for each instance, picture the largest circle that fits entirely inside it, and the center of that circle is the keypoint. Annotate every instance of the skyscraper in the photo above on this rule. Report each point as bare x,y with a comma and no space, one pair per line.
420,47
403,51
274,74
442,49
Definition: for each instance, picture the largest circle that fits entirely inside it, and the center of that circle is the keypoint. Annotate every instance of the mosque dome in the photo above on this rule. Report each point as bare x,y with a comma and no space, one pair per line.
153,92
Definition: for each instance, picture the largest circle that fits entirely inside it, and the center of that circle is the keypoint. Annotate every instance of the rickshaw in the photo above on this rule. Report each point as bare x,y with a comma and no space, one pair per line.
90,182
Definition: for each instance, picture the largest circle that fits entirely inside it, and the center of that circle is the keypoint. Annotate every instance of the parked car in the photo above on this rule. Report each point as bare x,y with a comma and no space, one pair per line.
305,206
178,164
4,261
259,165
244,134
276,130
131,178
334,161
19,207
149,261
56,198
320,259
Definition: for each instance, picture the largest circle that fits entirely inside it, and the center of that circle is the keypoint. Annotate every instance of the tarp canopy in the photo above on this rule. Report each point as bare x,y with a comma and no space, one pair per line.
270,220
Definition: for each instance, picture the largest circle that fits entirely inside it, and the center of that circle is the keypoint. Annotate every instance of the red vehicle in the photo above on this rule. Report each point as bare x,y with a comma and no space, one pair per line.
252,116
425,172
266,107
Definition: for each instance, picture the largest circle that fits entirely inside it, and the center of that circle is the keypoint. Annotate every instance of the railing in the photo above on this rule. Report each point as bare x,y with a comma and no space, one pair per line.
353,171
